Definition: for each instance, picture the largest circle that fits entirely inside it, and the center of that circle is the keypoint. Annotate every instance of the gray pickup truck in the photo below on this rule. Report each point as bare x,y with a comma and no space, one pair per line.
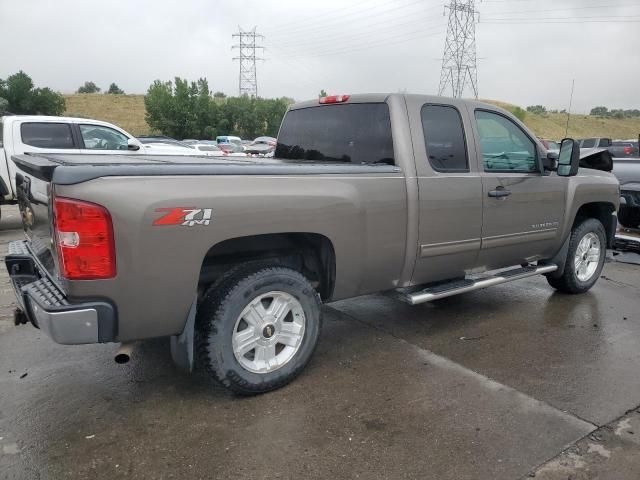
422,196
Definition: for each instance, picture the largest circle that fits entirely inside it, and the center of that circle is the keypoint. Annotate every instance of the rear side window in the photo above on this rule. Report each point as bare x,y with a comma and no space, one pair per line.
351,133
47,135
588,143
444,138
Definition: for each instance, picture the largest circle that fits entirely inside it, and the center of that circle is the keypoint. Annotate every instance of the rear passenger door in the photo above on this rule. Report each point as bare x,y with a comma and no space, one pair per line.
450,190
522,208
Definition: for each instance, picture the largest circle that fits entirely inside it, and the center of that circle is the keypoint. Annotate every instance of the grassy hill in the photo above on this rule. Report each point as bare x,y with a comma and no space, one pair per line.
553,125
127,111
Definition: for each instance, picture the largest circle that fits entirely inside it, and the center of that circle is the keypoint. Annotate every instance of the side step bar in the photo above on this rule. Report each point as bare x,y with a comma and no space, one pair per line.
468,285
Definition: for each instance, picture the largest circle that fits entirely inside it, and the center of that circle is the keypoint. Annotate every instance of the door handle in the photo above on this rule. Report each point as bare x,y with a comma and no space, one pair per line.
499,192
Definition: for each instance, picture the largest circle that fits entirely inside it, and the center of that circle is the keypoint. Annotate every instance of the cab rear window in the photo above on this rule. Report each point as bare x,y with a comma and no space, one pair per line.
358,133
47,135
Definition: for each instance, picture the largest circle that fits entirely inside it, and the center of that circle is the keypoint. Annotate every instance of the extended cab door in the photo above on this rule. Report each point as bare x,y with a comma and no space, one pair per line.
522,208
450,202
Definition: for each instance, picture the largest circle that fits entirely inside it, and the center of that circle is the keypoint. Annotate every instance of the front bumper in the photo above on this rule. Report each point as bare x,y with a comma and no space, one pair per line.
48,308
630,198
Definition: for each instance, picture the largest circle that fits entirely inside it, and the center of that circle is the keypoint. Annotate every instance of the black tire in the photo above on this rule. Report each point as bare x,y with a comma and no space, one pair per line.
569,281
629,217
221,307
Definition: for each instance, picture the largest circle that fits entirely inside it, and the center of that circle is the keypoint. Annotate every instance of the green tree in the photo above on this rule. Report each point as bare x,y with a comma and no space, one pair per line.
519,113
22,98
322,93
4,105
537,109
180,109
600,111
115,90
47,102
219,94
183,109
89,87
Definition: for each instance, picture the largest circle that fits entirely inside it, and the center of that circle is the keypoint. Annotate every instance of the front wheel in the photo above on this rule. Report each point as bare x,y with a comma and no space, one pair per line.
258,328
585,258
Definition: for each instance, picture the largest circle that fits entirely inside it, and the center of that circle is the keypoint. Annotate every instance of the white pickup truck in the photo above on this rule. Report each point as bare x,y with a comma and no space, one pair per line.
39,134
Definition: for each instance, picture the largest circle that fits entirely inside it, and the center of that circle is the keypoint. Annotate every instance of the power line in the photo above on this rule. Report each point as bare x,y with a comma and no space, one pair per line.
598,17
459,62
518,12
348,36
381,42
551,21
343,20
248,76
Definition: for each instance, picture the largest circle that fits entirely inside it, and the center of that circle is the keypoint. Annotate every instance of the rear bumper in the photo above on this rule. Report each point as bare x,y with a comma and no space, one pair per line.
48,308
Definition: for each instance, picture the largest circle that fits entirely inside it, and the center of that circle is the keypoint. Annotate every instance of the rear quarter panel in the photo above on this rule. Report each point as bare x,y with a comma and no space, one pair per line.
364,216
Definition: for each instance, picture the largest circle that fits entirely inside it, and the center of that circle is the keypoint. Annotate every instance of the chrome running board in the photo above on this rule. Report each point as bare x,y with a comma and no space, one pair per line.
468,285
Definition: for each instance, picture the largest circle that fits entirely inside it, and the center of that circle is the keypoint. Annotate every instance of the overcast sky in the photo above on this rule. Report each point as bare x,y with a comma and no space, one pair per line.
529,50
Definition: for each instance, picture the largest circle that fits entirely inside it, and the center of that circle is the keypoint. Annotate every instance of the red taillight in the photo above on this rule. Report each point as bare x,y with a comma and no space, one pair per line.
334,99
84,239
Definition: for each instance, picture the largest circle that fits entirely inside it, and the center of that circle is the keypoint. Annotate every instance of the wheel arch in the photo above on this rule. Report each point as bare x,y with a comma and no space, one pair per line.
602,211
312,254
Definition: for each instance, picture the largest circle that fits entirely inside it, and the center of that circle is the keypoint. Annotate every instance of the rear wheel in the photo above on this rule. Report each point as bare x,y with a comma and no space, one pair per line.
585,258
629,217
258,328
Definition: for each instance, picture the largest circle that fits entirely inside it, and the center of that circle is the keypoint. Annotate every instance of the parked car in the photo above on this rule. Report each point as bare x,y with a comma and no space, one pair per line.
550,145
597,142
37,134
232,258
628,173
210,147
225,139
161,140
231,148
261,146
621,149
635,145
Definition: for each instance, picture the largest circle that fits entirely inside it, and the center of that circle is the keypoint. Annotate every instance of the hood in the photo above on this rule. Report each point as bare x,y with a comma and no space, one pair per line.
596,158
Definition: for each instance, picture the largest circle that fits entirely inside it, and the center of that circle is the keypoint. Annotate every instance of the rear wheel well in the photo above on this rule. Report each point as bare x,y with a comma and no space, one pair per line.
311,254
601,211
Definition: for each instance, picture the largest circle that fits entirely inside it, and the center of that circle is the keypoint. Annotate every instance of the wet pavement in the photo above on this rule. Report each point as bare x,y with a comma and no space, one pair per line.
502,383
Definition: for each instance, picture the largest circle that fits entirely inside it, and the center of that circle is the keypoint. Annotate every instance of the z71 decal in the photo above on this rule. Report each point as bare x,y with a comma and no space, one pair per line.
184,216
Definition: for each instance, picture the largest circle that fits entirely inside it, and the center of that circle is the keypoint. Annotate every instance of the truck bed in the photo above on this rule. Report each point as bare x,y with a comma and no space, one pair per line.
69,169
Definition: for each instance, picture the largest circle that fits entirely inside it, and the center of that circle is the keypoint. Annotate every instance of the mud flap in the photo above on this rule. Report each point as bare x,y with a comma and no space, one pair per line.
560,259
182,345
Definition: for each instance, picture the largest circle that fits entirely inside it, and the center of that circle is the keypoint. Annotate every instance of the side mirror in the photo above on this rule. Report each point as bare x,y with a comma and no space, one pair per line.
550,162
569,158
133,145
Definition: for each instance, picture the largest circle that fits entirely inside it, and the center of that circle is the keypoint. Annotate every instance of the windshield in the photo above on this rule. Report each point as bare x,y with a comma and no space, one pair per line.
355,133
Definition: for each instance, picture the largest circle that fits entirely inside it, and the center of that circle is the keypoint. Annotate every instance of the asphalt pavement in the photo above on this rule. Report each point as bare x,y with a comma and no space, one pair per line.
510,382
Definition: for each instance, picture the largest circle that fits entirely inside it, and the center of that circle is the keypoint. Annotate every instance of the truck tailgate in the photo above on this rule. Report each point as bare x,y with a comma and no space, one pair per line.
33,196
